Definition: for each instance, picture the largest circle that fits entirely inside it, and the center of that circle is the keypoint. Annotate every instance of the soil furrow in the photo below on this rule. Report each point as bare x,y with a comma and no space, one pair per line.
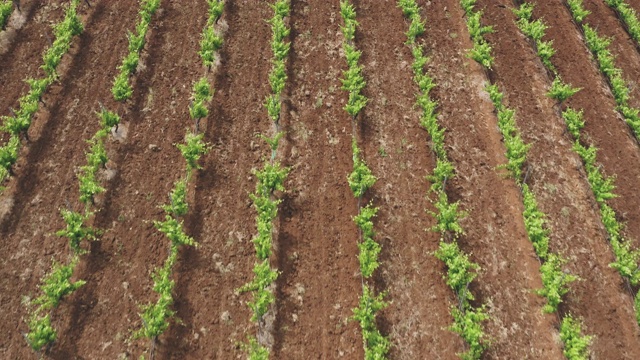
623,47
495,237
21,58
604,127
46,182
563,193
21,49
397,150
215,318
317,252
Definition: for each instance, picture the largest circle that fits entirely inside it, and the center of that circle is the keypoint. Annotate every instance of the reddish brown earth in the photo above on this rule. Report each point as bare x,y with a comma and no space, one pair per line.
623,47
317,235
562,191
21,48
316,239
618,147
397,150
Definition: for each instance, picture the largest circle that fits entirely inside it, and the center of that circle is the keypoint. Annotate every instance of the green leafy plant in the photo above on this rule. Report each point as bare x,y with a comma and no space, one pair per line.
255,350
352,81
6,8
155,316
9,153
467,324
369,248
57,284
576,346
262,296
122,89
516,148
561,91
577,10
376,346
174,230
361,178
75,230
108,119
178,197
460,271
192,150
41,333
555,282
628,16
448,216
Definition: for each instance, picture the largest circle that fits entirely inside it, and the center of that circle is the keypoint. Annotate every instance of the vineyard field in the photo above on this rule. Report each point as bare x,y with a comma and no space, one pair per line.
282,127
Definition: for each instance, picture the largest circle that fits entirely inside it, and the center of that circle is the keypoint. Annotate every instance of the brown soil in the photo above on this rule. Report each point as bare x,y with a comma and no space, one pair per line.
316,238
397,150
563,193
21,48
607,130
317,235
623,47
495,235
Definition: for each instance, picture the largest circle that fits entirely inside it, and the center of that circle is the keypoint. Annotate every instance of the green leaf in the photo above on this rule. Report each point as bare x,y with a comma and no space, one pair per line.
75,230
561,91
576,345
121,89
41,333
361,178
192,150
57,284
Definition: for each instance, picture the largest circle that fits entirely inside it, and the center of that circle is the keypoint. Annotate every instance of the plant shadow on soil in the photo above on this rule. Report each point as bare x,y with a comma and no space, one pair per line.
98,259
7,53
27,182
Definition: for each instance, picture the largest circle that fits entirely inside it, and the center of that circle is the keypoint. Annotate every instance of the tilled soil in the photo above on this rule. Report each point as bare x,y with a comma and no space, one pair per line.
562,191
316,239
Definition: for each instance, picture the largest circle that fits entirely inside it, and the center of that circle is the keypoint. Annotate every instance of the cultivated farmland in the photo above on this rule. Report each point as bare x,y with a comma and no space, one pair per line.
341,179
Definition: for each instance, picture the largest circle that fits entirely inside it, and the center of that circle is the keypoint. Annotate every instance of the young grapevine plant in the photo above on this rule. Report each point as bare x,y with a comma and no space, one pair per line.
19,123
6,8
376,345
599,47
554,279
556,282
122,89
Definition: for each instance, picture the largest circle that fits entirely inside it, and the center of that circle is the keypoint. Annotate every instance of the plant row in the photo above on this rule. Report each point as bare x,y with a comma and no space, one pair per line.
460,270
628,16
627,259
576,344
601,185
599,47
376,345
19,123
156,316
270,179
6,8
76,230
122,89
555,280
57,283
